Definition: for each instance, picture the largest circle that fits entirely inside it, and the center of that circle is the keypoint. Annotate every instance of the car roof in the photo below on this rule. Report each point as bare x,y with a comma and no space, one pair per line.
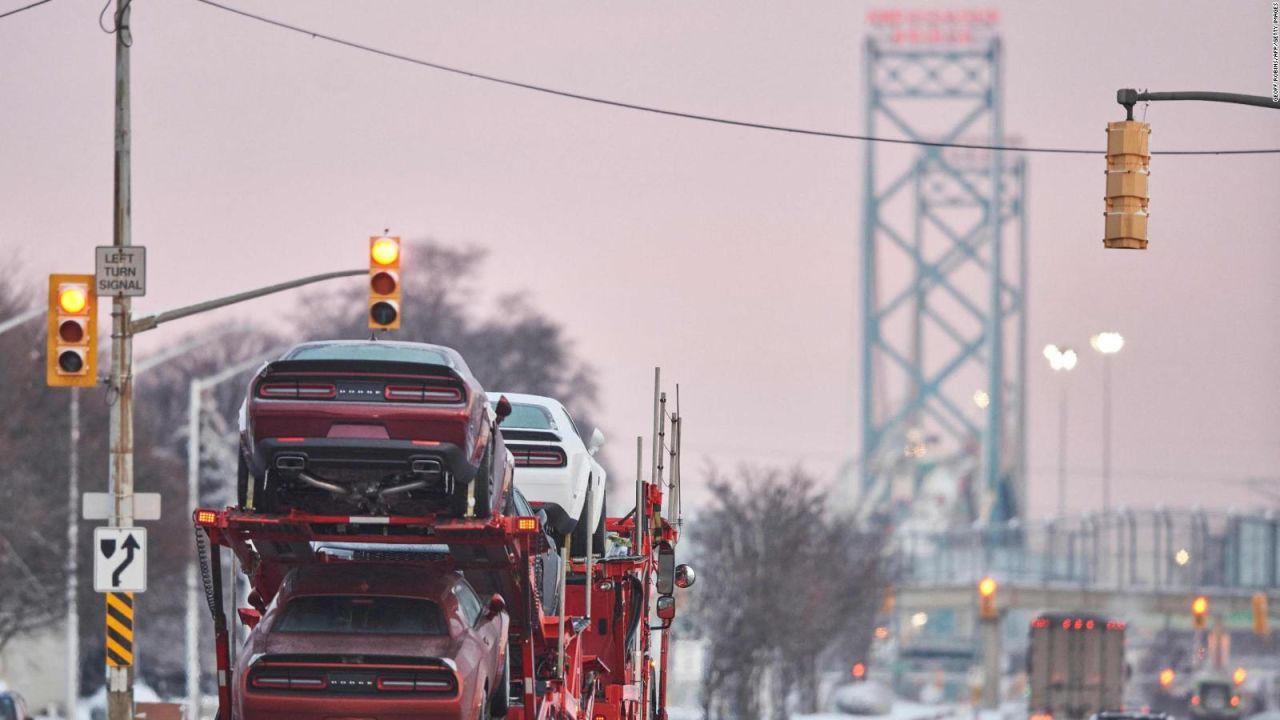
453,357
354,578
525,399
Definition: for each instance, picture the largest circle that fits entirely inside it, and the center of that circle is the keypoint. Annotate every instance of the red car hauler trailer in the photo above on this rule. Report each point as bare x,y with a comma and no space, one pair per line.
598,656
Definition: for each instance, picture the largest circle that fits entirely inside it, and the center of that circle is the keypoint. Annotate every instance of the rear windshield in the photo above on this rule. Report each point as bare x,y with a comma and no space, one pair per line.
528,416
369,351
362,615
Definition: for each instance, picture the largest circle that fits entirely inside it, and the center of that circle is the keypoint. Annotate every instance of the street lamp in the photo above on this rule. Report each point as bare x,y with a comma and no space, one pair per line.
1107,343
1061,360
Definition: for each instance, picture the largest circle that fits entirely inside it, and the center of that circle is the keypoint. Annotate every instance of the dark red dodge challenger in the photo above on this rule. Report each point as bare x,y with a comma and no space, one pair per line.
379,427
373,640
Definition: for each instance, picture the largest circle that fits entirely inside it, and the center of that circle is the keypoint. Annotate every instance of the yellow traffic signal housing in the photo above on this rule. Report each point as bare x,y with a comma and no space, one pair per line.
384,283
987,608
71,350
1128,169
1261,623
1199,612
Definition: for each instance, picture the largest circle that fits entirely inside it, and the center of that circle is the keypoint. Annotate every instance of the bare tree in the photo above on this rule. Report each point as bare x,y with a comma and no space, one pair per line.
787,585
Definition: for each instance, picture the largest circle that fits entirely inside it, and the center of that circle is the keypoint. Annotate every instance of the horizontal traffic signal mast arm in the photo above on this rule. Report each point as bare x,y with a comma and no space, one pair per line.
1128,97
150,322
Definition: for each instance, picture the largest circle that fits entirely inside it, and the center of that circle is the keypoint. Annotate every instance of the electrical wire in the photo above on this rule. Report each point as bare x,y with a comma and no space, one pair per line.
15,11
690,115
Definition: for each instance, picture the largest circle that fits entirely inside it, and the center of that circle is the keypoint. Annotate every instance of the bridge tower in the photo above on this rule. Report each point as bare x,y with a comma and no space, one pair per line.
944,275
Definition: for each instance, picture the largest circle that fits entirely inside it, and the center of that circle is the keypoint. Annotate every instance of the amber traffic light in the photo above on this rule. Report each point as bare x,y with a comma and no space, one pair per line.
1128,169
1199,611
1166,678
1260,606
384,283
71,351
987,609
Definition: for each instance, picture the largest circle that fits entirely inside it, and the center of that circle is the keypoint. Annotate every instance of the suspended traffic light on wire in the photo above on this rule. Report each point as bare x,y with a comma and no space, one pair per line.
71,351
1128,169
384,283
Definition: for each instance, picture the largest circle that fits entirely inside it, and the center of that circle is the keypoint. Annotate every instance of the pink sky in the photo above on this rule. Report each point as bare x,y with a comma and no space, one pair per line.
729,256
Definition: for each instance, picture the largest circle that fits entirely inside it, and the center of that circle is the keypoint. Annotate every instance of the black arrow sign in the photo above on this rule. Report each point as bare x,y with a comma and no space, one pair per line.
130,546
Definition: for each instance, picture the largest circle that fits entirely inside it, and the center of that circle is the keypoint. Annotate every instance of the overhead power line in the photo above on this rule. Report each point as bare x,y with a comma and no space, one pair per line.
15,11
688,115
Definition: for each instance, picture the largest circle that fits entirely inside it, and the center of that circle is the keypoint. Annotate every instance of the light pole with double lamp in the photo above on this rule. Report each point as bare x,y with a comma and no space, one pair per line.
1107,343
1061,360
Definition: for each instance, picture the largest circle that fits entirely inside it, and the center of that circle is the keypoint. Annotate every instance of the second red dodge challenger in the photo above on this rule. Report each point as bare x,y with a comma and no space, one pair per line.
373,427
372,640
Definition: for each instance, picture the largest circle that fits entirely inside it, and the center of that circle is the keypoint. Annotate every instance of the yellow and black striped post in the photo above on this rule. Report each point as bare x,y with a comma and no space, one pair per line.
119,630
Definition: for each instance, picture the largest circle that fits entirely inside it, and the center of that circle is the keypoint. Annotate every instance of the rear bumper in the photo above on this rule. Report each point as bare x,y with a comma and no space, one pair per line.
333,707
327,457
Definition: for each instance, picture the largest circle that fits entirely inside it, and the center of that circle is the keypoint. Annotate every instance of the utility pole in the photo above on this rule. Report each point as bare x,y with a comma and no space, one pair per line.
73,561
120,474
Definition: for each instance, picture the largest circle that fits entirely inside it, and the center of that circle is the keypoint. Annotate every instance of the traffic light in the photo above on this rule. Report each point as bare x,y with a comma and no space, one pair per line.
1239,676
1167,677
1128,169
1261,623
859,671
71,351
384,283
1199,611
987,598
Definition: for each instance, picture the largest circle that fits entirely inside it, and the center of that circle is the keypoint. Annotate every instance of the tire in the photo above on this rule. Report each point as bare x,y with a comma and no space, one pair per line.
242,483
580,531
500,698
483,482
597,537
244,476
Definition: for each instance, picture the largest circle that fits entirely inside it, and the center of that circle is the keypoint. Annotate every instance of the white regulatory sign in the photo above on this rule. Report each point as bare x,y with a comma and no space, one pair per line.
120,559
121,270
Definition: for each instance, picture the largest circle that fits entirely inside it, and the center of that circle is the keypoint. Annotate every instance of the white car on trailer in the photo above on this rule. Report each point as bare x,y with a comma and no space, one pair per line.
554,466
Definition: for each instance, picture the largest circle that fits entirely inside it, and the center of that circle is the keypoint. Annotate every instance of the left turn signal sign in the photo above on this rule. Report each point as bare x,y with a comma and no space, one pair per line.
71,357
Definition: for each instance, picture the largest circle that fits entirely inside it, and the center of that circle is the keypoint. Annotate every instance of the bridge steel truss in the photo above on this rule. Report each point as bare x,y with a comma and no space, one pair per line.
944,278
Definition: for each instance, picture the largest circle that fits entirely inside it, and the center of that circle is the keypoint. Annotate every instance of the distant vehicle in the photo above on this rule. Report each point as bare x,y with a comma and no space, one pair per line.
12,706
1124,715
363,640
1215,697
933,670
1076,666
344,426
554,466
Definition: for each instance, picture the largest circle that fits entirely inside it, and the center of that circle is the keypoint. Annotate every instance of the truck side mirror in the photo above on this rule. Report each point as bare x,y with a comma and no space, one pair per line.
502,409
666,569
685,576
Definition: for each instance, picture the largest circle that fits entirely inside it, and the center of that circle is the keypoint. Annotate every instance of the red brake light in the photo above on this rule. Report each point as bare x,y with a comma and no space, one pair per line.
1195,699
1079,623
1089,625
421,683
1040,623
538,457
422,393
285,681
1066,624
297,391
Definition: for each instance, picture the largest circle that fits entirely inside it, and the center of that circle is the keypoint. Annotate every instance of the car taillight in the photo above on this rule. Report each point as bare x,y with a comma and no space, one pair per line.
422,393
297,391
539,457
288,682
414,683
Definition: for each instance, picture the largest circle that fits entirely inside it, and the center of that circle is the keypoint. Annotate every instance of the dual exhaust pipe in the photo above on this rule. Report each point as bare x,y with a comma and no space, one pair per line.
296,465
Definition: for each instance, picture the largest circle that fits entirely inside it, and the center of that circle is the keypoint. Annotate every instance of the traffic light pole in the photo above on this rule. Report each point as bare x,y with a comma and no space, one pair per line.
1128,97
120,677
